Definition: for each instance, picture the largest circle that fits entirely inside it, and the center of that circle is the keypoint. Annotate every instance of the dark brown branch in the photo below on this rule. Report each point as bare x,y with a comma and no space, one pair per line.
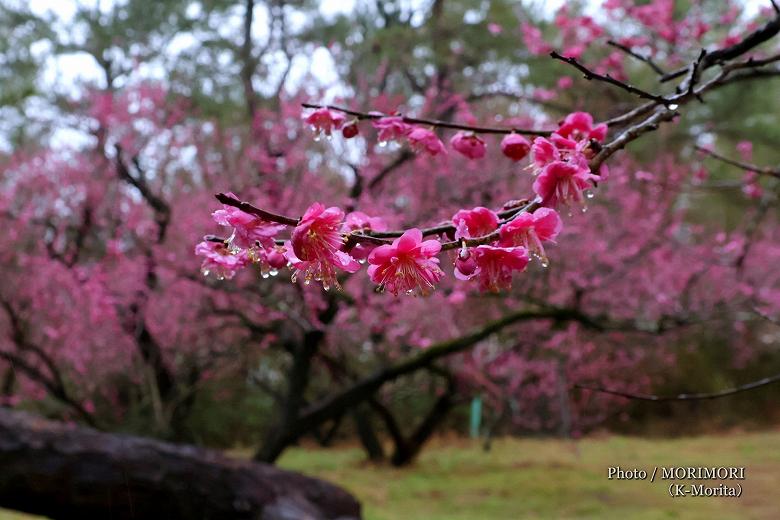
757,37
157,204
246,207
433,122
763,170
402,157
645,59
362,390
248,63
684,397
606,78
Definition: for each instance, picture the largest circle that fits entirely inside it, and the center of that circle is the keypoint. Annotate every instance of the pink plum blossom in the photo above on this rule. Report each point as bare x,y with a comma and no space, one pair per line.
543,152
494,266
270,261
316,246
531,229
474,223
359,221
579,126
515,146
422,139
220,260
534,41
562,183
324,120
494,28
745,149
248,230
468,144
408,265
391,128
565,82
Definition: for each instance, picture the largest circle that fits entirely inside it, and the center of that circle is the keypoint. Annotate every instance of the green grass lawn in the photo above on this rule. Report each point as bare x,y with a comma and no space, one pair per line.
553,479
456,480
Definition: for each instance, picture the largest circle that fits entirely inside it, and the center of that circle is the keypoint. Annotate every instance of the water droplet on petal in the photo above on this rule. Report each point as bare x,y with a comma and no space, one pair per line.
329,138
673,106
382,144
584,209
317,138
273,272
264,274
544,261
590,194
205,272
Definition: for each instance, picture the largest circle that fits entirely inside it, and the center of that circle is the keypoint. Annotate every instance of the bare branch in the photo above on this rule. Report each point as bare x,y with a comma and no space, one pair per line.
246,207
683,397
645,59
762,170
433,122
757,37
606,78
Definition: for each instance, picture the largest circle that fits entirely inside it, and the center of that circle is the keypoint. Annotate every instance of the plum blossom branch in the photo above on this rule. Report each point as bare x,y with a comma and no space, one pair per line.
755,38
688,91
246,207
606,78
762,170
433,122
645,59
683,397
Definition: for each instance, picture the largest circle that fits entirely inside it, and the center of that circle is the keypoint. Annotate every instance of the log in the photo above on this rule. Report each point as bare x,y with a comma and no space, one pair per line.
66,471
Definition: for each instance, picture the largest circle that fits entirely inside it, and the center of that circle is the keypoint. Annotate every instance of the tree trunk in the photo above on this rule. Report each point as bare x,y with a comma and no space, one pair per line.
367,434
63,471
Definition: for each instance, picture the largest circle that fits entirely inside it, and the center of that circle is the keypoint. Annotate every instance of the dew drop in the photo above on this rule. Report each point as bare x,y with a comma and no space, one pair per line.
273,272
590,194
264,274
584,209
362,261
205,272
317,138
545,262
306,281
673,106
382,144
329,137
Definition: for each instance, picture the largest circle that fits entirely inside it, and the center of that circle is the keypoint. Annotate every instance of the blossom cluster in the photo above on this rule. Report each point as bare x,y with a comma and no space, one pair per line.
489,247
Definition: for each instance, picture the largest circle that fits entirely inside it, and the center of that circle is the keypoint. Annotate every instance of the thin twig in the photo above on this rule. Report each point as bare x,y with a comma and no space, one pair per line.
645,59
752,40
606,78
763,170
252,210
684,397
433,122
